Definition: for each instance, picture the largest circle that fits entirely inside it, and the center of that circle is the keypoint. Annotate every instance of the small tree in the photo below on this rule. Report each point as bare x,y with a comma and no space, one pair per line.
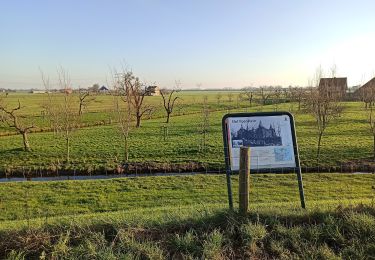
169,101
218,97
122,107
205,124
85,97
50,105
323,108
369,108
297,95
248,94
69,118
265,94
276,93
123,115
11,119
61,109
371,121
135,92
230,97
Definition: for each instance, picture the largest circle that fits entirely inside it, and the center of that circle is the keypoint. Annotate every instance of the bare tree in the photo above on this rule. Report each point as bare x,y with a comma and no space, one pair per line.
230,97
218,97
286,93
137,91
238,100
169,101
368,96
61,109
248,94
51,105
122,107
265,94
205,124
371,121
364,97
11,119
322,107
85,97
276,94
123,115
70,119
297,95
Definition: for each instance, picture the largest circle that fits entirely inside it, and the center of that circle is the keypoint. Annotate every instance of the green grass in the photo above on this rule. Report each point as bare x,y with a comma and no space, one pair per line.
100,109
99,149
183,217
197,232
27,200
186,217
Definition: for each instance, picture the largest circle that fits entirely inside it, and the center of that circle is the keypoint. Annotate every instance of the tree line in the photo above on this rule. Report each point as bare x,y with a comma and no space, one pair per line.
129,106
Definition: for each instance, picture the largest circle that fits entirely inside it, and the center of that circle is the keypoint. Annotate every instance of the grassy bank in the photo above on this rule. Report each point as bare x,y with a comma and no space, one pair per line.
281,232
186,217
28,200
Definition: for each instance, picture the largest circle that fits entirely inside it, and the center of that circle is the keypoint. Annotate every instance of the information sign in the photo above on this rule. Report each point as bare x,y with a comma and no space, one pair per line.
272,141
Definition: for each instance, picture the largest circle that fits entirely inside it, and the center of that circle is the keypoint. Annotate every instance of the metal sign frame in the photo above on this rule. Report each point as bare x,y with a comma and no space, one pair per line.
296,169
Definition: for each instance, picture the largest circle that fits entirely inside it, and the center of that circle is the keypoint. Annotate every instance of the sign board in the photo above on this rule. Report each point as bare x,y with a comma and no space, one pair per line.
272,138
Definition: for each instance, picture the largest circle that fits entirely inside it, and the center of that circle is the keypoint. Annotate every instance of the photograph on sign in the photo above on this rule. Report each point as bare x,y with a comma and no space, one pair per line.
270,139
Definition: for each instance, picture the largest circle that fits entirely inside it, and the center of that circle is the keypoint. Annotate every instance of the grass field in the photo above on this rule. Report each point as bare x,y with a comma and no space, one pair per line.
196,233
100,109
99,149
186,217
28,200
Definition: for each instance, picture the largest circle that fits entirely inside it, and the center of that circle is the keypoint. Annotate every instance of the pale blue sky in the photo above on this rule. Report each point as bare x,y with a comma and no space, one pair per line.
215,43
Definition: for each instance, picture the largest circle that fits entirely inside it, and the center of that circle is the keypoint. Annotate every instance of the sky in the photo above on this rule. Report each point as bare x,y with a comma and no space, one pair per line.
211,44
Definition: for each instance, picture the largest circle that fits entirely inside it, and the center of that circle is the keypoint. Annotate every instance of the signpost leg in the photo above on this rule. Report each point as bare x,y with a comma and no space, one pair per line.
243,184
229,188
300,187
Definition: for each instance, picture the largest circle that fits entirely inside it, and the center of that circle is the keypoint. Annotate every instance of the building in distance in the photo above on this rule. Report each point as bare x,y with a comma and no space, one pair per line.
152,91
103,89
333,88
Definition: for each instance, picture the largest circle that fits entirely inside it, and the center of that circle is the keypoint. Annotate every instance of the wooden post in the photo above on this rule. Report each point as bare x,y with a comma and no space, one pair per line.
243,184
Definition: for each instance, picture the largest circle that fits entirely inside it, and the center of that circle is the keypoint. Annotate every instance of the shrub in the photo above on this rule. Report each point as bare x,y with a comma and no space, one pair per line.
186,244
212,245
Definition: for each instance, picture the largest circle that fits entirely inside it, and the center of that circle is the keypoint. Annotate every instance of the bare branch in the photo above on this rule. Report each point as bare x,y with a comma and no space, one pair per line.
168,102
12,120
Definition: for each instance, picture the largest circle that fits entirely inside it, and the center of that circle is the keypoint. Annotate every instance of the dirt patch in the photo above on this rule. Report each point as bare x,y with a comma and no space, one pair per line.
121,169
360,165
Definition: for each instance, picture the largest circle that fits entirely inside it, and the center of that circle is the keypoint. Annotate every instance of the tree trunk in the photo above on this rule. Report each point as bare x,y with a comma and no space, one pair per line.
319,144
168,115
26,144
138,121
67,149
204,141
80,109
126,149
